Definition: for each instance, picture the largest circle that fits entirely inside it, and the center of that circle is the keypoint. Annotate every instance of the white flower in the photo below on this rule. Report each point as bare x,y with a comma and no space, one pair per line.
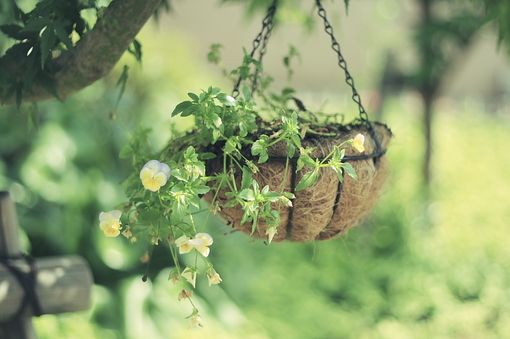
359,142
109,222
190,276
230,101
196,320
270,232
213,277
183,244
154,175
201,243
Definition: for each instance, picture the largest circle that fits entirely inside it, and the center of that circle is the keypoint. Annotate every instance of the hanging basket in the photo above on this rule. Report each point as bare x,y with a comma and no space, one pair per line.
330,207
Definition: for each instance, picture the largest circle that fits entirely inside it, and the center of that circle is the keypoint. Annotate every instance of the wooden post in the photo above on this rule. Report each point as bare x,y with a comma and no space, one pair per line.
62,284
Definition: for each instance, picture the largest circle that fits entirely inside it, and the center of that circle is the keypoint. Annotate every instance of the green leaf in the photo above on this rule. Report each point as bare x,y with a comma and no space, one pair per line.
122,84
47,42
246,92
231,145
193,96
203,189
125,152
308,180
247,194
136,50
13,31
63,36
207,156
259,148
181,107
188,110
214,54
305,159
350,170
255,221
246,216
247,178
272,196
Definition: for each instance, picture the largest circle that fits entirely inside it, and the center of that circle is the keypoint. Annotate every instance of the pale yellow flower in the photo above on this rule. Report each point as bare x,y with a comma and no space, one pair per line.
154,175
190,276
213,277
109,222
196,320
183,244
271,232
359,142
201,243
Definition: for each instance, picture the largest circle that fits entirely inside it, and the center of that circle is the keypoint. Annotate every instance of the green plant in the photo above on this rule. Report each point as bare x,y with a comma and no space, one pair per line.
166,189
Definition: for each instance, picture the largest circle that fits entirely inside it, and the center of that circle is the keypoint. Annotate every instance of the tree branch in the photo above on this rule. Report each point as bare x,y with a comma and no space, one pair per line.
94,55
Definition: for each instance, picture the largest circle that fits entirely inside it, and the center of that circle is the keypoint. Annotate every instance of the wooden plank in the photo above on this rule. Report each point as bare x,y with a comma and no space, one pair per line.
20,328
63,284
9,241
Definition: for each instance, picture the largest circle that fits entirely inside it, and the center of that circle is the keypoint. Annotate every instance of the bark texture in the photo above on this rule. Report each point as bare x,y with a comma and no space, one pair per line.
96,53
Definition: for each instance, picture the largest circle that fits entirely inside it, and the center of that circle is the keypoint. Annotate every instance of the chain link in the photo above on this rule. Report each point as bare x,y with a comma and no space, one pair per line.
348,78
341,60
260,41
263,49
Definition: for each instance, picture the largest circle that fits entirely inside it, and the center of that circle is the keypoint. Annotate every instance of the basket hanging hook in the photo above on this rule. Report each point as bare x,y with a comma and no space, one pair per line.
348,78
260,41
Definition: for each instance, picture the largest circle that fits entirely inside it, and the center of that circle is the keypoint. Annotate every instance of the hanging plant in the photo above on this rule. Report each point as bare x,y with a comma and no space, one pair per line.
269,167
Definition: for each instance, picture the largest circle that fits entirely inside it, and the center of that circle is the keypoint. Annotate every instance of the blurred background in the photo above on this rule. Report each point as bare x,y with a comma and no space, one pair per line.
432,261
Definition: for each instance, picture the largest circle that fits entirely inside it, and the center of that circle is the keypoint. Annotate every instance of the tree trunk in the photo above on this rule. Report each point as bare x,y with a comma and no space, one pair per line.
428,86
428,113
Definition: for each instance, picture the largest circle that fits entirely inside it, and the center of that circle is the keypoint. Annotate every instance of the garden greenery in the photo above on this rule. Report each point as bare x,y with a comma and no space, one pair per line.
166,189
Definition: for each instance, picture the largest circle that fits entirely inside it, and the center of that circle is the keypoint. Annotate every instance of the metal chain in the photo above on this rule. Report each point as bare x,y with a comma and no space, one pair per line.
263,49
341,61
348,78
262,37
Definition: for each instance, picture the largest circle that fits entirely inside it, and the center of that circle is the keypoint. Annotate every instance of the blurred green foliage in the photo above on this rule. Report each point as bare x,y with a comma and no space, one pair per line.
414,269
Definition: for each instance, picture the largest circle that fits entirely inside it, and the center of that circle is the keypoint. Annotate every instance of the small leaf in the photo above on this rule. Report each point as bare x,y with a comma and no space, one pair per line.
346,2
214,54
350,170
272,196
231,145
136,50
122,84
246,92
13,31
247,177
125,152
63,36
259,148
206,156
247,194
47,42
181,107
308,180
193,96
